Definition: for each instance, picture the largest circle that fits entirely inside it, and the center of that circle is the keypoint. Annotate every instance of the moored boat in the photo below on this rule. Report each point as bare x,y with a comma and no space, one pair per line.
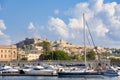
84,72
80,73
9,70
39,70
111,71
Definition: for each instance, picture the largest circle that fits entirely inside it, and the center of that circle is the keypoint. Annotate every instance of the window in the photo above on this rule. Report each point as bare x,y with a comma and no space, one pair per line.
1,50
1,56
14,52
5,55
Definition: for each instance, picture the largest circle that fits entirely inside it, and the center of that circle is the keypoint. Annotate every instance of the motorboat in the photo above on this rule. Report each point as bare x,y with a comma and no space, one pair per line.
40,70
8,69
111,71
57,68
25,69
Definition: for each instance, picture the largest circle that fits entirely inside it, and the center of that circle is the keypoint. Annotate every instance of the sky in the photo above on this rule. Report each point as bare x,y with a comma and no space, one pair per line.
60,19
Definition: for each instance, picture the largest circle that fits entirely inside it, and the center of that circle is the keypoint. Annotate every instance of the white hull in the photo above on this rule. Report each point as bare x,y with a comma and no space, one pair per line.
8,69
41,72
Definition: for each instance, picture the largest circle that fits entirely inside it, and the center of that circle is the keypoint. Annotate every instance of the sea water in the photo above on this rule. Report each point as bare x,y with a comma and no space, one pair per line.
53,78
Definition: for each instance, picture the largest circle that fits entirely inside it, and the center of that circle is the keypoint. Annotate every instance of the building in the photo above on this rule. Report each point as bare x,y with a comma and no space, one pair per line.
32,56
101,49
8,53
21,54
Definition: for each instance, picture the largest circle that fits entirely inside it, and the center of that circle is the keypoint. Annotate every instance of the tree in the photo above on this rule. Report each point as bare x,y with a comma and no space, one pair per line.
46,47
90,55
105,55
61,55
56,55
24,58
77,57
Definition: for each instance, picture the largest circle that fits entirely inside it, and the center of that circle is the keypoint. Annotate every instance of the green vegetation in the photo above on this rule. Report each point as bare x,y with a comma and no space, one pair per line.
77,57
105,54
90,55
62,55
46,47
56,55
114,58
24,59
48,54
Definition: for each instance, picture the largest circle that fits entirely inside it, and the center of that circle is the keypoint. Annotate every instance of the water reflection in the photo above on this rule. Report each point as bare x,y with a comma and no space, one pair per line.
54,78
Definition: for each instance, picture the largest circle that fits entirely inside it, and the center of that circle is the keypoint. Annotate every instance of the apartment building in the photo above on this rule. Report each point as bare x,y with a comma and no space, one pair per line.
8,52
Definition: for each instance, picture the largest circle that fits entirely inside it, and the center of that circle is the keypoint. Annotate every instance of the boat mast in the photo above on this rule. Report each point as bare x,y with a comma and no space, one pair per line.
84,40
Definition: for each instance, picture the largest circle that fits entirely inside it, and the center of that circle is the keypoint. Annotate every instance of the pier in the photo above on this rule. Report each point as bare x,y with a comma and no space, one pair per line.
92,63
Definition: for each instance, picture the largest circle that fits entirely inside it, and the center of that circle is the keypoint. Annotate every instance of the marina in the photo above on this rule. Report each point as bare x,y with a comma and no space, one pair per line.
59,40
56,66
58,71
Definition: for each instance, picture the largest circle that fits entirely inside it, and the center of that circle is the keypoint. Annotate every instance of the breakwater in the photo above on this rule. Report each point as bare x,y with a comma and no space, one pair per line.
92,63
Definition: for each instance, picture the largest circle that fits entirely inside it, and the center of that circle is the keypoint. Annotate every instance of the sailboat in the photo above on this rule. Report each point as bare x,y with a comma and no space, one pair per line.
84,72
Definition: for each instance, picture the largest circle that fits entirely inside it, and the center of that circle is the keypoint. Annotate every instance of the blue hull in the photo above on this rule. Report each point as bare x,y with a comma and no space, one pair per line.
80,74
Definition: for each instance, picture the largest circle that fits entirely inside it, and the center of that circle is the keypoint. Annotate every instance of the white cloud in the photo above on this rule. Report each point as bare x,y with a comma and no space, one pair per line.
96,5
31,26
2,25
56,11
101,30
79,9
75,23
34,30
115,21
1,33
4,39
103,19
59,26
109,8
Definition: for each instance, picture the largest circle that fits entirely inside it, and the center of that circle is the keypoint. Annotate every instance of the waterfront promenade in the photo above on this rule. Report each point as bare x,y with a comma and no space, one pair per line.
92,63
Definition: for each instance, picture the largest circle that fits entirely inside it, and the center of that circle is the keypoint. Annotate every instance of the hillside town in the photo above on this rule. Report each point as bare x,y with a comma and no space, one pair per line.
31,49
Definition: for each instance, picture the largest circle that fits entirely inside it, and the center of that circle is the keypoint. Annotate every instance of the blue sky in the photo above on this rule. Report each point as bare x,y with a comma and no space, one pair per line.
60,19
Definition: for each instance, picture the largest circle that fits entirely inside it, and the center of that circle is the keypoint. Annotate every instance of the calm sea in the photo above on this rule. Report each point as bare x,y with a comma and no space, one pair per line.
53,78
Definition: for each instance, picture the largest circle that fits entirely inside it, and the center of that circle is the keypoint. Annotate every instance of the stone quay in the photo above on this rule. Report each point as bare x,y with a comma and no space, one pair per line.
92,63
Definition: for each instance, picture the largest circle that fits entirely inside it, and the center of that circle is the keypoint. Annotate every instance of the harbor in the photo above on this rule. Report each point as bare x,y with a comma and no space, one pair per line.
48,68
59,40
